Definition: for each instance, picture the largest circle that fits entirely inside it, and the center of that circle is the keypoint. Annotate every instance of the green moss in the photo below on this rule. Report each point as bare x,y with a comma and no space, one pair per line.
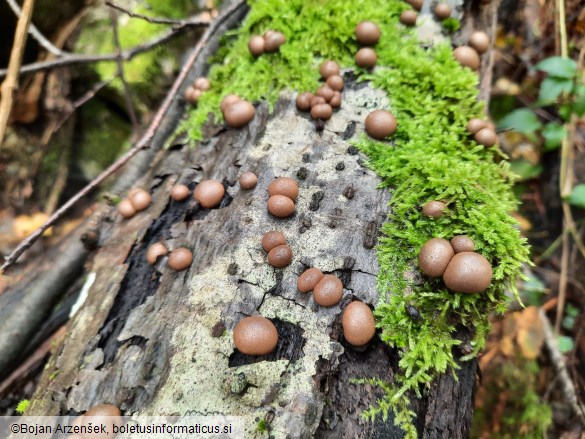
451,24
262,425
430,158
22,406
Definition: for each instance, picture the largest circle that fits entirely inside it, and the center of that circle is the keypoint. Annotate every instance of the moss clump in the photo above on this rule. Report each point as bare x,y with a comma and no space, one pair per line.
431,158
22,406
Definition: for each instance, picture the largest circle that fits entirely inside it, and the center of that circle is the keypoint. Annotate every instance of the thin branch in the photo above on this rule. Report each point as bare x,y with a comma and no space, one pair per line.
120,64
34,32
83,99
153,20
143,143
10,84
558,362
127,55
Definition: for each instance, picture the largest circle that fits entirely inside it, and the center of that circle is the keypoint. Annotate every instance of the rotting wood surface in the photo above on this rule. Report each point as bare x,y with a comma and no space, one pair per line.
154,341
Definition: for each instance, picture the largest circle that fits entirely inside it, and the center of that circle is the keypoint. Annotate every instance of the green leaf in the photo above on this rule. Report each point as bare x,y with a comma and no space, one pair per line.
553,134
525,170
558,66
552,87
577,197
566,344
521,120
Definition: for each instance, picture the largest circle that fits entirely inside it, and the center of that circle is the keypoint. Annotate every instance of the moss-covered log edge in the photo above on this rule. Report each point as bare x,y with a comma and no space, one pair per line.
430,157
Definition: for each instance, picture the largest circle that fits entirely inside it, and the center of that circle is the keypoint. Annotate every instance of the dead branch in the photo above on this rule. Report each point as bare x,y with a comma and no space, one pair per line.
34,31
558,361
10,84
143,143
127,55
120,65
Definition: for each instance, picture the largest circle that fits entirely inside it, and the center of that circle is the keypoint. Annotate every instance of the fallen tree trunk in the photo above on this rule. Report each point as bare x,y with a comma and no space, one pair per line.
154,341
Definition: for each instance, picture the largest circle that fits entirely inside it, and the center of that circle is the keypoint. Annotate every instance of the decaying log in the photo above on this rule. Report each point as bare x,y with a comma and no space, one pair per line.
154,341
146,336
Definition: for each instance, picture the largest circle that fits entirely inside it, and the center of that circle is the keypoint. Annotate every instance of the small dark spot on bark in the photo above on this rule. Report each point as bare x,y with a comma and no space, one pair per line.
316,200
340,166
232,268
370,234
306,158
352,150
349,131
90,239
302,173
361,162
218,329
319,125
349,192
334,218
307,222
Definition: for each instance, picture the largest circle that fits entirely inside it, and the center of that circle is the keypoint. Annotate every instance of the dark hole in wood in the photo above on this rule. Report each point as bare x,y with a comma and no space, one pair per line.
290,346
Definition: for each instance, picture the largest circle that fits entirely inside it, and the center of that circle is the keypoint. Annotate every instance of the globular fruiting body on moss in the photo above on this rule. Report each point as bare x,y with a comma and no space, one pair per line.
408,18
380,124
434,209
359,325
462,243
416,4
273,40
468,272
209,193
366,57
335,101
467,57
227,101
335,82
256,45
479,41
442,11
255,335
325,92
474,125
434,256
367,33
329,68
309,279
328,290
486,137
303,101
239,114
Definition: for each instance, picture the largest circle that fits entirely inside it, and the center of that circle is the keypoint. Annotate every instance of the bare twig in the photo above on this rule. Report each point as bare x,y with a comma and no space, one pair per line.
558,361
120,64
34,32
143,143
83,99
158,20
127,55
10,84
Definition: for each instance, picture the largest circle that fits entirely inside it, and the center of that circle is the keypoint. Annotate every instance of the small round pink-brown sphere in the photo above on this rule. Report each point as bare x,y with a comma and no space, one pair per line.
209,193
